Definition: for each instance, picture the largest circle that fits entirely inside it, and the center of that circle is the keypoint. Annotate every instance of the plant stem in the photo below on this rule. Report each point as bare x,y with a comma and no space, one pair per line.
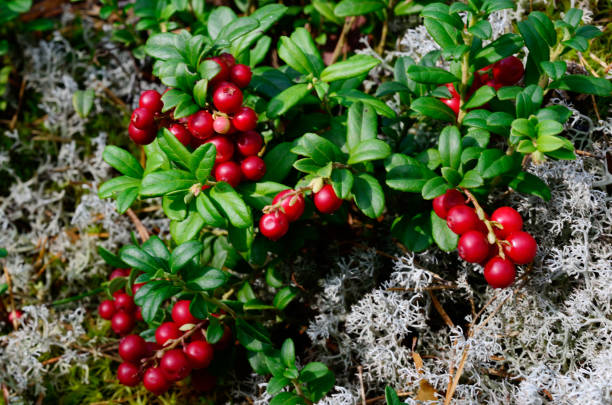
220,304
491,237
298,389
348,23
78,297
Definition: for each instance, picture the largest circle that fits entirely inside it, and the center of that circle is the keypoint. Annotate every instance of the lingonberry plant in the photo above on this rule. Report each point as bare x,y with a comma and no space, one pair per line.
229,146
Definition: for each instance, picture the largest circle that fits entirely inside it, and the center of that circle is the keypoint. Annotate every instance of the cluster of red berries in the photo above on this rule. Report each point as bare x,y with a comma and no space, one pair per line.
498,251
159,364
288,206
121,310
230,126
506,72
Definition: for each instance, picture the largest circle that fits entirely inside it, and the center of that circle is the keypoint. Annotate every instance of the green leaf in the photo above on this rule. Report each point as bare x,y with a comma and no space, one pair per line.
82,100
187,229
267,16
318,378
414,233
588,31
184,253
491,166
219,18
110,259
573,17
252,337
452,176
362,124
284,296
410,177
279,161
371,149
538,48
471,179
318,148
528,183
449,146
154,298
482,29
342,182
117,185
369,195
480,97
508,92
235,30
584,84
261,193
349,96
174,206
282,102
430,75
293,56
544,26
307,165
354,66
241,238
287,398
123,161
214,331
549,143
209,213
549,127
504,46
209,280
528,101
164,46
276,384
202,161
288,353
137,258
167,181
445,35
199,92
175,150
326,9
442,235
126,198
434,108
391,396
348,8
232,205
434,187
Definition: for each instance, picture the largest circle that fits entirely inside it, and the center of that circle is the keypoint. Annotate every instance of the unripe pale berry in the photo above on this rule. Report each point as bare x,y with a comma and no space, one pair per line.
143,118
181,314
132,348
522,247
122,323
200,124
443,203
326,200
253,168
128,374
199,353
224,148
167,331
227,98
229,172
274,225
249,143
508,71
292,206
241,75
174,365
222,125
151,100
142,136
107,309
461,219
155,381
245,119
181,133
509,219
473,247
499,273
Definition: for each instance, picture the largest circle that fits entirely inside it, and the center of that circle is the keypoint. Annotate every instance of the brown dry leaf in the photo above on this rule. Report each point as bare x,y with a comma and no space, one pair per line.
426,392
418,361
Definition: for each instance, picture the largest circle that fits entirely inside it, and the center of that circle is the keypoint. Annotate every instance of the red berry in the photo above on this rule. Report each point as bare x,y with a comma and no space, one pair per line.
174,365
142,136
499,272
509,219
245,119
253,168
199,353
203,381
227,98
222,125
326,200
155,381
229,172
443,203
138,314
152,347
508,71
151,100
292,206
473,247
119,273
181,314
461,219
522,248
223,75
107,309
124,302
228,58
128,374
274,225
122,323
14,315
496,85
167,331
181,133
454,101
249,143
132,348
200,124
143,118
197,336
241,75
226,339
224,147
